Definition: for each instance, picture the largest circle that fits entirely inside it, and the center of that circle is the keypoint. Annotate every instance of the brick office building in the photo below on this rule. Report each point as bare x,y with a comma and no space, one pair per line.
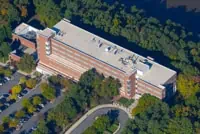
70,51
24,41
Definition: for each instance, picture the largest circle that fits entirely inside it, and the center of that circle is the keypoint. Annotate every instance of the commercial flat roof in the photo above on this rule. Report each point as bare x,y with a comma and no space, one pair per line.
111,53
26,31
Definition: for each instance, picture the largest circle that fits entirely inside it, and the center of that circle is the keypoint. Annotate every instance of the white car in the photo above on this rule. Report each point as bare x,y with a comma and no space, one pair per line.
1,84
19,96
7,78
1,96
42,105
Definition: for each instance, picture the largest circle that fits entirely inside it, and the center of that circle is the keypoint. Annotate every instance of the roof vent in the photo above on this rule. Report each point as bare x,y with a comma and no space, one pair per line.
100,44
115,52
93,39
108,49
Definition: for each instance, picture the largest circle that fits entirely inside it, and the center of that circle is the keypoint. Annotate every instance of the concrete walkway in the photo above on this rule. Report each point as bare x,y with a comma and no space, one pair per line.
84,117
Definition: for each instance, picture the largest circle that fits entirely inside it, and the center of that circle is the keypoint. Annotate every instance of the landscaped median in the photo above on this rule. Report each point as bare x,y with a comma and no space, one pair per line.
114,106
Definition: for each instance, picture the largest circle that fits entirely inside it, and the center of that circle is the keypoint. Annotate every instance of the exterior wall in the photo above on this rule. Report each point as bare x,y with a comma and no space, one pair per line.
170,86
13,57
144,87
24,41
129,86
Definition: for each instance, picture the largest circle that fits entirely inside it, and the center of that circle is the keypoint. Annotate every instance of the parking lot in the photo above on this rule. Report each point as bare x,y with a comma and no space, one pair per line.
9,84
28,125
17,105
33,121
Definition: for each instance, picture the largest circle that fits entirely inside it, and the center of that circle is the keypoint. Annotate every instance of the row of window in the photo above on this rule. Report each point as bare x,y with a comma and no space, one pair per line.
72,61
145,91
148,88
93,63
81,57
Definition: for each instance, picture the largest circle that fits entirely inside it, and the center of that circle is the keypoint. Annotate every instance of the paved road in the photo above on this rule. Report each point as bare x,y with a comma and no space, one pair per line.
9,84
17,106
35,119
123,117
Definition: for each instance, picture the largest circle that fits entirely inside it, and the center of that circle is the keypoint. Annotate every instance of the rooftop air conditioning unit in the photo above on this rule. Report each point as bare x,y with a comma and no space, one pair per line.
108,49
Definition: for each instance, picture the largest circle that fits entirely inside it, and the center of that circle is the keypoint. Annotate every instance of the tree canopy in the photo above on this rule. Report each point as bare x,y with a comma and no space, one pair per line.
27,63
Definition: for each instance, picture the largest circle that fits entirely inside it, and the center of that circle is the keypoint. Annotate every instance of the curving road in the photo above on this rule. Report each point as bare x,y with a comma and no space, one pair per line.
123,117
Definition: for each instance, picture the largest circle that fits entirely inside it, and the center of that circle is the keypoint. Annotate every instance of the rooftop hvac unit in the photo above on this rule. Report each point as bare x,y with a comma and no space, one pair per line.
108,49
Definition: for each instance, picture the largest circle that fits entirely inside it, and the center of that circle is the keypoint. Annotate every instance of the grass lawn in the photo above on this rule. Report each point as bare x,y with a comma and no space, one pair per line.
125,102
113,128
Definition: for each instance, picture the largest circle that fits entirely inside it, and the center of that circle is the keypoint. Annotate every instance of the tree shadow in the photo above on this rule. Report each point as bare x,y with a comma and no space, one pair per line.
113,115
36,24
170,9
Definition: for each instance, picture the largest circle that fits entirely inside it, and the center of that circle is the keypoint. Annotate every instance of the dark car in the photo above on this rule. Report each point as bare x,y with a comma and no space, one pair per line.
6,95
2,108
24,92
3,100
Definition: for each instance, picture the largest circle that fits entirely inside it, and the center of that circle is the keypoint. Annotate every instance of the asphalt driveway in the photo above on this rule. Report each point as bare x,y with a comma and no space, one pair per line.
122,118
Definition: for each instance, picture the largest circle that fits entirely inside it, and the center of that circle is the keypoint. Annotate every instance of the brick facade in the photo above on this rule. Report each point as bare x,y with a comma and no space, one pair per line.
24,41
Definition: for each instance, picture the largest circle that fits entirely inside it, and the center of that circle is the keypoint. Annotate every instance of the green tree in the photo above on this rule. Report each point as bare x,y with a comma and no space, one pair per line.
27,63
20,114
180,125
49,16
5,49
13,123
90,130
31,83
110,87
144,102
22,80
7,72
6,119
41,128
31,109
47,91
187,86
26,103
37,100
1,128
60,118
55,80
16,89
102,123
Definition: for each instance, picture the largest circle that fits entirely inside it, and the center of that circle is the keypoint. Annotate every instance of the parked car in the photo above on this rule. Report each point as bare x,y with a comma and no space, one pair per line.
19,126
1,83
34,128
10,91
19,95
7,78
24,92
6,95
42,105
1,96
